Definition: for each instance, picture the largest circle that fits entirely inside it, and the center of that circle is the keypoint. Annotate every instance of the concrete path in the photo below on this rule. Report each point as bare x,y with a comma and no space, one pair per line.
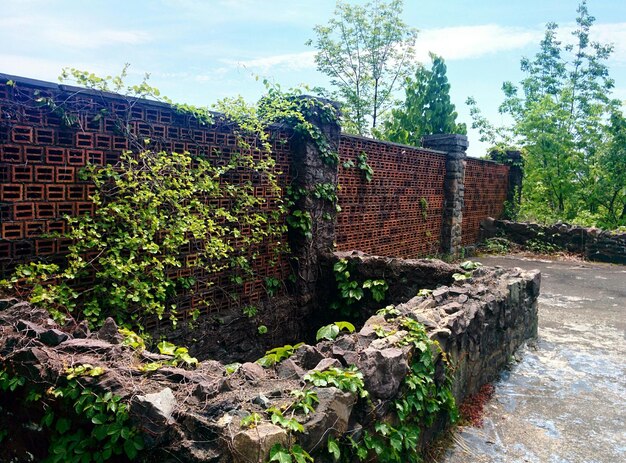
564,399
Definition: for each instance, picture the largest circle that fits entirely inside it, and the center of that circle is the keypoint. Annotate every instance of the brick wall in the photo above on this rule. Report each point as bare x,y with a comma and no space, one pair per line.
42,149
486,185
41,156
386,216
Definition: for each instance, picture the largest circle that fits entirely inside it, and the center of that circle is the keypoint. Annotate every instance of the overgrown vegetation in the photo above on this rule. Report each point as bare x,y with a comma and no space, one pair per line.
570,130
187,203
155,214
82,425
350,291
422,400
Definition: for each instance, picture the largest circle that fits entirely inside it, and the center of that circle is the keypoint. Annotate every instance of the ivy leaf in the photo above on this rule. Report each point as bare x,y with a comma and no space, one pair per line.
280,454
345,326
130,450
329,332
333,449
100,432
63,425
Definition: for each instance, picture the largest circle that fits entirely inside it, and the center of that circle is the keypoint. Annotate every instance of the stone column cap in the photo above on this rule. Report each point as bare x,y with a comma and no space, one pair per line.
446,142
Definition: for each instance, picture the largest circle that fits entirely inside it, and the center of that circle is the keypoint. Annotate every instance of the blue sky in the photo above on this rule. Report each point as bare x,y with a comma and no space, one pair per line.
198,51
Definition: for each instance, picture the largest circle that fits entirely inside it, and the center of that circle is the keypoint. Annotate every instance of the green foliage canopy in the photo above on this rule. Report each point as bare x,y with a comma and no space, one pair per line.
569,128
367,51
427,108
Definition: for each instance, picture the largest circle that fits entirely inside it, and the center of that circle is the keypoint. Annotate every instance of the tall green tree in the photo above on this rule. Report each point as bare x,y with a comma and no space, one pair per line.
367,51
426,109
561,111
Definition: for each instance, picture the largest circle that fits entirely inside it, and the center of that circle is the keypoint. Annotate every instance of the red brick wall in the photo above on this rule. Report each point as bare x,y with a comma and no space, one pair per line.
40,158
384,216
485,193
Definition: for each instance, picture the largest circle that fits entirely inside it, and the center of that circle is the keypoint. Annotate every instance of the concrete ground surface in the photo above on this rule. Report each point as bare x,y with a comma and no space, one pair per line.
564,398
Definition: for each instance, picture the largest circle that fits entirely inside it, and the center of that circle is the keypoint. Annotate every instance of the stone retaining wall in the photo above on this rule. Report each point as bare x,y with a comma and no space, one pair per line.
194,415
592,243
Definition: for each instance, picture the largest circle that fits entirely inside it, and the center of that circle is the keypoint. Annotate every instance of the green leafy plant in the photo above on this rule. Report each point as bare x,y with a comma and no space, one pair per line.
306,400
293,454
540,246
364,167
262,329
348,379
461,276
327,192
137,248
132,339
388,312
81,425
249,311
301,221
83,370
251,421
232,367
179,356
424,207
470,265
424,292
496,245
277,354
333,448
272,285
290,424
351,291
331,331
377,287
421,401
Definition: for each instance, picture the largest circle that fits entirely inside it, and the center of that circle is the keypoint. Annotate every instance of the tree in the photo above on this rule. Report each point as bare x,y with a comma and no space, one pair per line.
427,108
367,52
561,113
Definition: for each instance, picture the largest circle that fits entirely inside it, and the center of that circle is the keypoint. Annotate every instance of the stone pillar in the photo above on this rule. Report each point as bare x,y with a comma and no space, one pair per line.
455,147
311,168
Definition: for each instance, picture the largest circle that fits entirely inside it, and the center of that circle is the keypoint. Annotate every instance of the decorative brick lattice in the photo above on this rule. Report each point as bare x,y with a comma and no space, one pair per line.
42,150
485,193
41,155
399,212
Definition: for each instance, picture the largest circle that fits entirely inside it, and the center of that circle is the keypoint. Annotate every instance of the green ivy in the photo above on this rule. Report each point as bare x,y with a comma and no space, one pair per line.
81,425
351,291
364,167
278,354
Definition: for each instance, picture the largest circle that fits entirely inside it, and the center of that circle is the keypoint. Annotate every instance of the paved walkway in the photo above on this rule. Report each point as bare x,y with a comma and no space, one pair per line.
564,400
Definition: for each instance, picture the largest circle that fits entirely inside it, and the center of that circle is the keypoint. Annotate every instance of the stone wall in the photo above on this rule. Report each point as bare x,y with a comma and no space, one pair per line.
591,243
194,415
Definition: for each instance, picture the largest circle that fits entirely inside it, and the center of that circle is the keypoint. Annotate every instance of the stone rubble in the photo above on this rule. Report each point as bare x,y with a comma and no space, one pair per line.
195,414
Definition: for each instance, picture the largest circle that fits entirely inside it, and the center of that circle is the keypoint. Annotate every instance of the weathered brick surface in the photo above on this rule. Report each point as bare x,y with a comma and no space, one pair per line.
41,156
486,185
399,212
42,150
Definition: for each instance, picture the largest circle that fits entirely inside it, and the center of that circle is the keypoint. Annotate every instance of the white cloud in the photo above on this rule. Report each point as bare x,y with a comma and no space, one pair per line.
453,43
467,42
288,61
80,34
